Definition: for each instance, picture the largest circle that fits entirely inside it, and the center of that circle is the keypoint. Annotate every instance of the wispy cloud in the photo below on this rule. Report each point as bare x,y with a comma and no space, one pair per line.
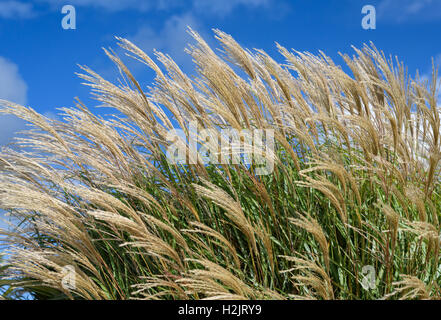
12,88
117,5
23,9
173,37
12,85
218,8
16,9
9,126
427,76
399,11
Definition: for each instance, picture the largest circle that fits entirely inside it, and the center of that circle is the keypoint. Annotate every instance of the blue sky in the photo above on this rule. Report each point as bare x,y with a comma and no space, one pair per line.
38,58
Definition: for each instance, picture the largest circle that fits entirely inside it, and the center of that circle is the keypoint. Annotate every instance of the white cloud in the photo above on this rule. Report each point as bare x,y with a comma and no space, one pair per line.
12,88
224,7
171,39
16,9
215,7
24,9
12,85
117,5
408,10
427,76
9,126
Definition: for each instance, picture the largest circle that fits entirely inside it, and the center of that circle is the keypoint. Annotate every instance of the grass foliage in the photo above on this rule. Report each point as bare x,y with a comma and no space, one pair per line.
356,183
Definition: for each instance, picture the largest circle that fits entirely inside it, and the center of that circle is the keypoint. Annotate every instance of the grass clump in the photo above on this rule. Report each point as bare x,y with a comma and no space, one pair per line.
355,183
